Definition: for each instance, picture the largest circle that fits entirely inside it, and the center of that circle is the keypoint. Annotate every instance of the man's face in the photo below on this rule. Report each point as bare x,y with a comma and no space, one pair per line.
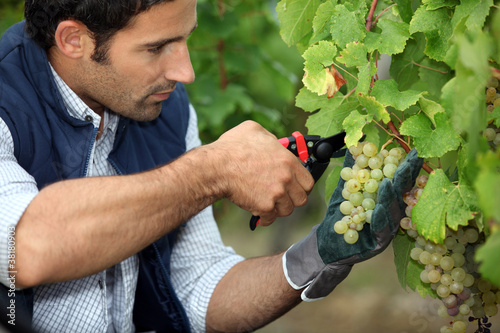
145,60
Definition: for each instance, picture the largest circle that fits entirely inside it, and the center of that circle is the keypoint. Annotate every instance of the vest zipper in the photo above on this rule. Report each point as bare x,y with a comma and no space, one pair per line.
87,160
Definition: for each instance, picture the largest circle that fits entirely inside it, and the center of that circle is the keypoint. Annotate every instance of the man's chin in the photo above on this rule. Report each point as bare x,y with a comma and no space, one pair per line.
144,114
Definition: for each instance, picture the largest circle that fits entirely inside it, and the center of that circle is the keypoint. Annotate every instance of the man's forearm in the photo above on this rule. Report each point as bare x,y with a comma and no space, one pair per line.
252,294
99,221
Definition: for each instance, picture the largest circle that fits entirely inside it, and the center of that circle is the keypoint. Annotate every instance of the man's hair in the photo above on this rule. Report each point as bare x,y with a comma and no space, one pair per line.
103,18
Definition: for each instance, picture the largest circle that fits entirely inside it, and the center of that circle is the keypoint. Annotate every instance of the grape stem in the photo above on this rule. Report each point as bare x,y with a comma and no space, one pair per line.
403,144
369,20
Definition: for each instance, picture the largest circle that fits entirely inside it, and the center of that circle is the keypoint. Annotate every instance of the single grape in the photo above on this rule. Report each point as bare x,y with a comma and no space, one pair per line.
436,259
443,311
424,276
450,301
415,253
377,174
351,236
346,207
447,263
489,133
375,162
425,258
345,173
421,181
468,280
496,140
456,287
356,198
353,185
368,204
363,175
459,326
396,153
472,235
340,227
369,215
356,150
458,274
453,311
459,259
362,161
483,285
446,279
489,297
391,160
370,149
490,310
371,186
346,194
434,276
443,290
389,170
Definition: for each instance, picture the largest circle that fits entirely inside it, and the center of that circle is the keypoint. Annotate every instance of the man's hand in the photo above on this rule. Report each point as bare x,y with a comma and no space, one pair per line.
259,174
323,259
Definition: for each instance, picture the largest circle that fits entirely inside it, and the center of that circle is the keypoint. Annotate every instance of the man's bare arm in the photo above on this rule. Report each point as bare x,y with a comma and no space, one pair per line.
252,294
75,228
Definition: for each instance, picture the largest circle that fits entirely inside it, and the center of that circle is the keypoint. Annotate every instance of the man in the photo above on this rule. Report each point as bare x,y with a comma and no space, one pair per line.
102,173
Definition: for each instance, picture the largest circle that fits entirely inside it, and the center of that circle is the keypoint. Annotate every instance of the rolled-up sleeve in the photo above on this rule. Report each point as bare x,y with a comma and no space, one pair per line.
17,189
199,257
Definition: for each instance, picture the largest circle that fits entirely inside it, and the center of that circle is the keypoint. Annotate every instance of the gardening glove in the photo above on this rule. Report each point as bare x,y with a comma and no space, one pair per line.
323,259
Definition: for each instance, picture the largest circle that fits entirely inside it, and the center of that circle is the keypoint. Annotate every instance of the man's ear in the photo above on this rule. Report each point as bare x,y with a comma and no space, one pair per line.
72,38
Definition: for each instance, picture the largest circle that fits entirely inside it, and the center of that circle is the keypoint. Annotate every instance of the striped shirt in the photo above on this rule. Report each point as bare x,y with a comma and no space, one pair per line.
104,302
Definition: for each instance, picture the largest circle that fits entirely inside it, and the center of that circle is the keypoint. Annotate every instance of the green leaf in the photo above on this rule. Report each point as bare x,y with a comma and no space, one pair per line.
317,77
404,67
354,54
387,93
404,9
296,18
321,22
442,204
374,107
489,257
329,120
487,185
430,108
391,40
436,4
429,141
476,12
346,26
366,72
436,25
353,125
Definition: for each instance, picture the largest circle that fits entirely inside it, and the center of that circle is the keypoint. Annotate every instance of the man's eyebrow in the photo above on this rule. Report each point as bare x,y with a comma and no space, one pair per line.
165,41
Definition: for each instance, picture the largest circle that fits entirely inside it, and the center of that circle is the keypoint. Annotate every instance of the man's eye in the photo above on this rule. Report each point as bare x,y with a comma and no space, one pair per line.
155,50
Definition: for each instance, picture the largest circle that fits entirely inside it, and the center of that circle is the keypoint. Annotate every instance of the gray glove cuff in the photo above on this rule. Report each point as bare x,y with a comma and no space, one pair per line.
301,262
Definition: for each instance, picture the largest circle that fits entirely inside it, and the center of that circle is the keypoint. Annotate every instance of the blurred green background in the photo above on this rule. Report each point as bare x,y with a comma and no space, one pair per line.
245,71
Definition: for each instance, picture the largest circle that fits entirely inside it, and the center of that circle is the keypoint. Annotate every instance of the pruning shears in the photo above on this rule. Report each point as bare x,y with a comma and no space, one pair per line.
314,152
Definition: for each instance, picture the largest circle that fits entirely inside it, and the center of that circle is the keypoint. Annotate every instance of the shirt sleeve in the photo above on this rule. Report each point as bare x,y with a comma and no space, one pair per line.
199,258
17,189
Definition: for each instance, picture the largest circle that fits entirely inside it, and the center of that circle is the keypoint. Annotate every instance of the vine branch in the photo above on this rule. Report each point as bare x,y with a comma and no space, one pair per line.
369,19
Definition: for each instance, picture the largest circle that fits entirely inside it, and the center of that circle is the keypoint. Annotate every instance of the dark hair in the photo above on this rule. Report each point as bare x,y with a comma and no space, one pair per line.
103,18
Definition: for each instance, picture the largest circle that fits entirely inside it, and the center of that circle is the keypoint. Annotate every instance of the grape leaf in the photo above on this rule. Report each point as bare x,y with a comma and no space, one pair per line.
487,185
296,18
489,257
391,40
436,4
436,25
404,9
434,75
354,54
430,108
328,121
374,107
429,141
321,22
366,72
476,12
387,93
353,125
403,67
346,26
442,204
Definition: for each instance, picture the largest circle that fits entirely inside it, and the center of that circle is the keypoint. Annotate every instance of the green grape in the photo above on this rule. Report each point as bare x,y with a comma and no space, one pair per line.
368,204
356,150
371,186
375,162
345,173
356,198
346,194
396,152
434,276
346,207
362,161
369,215
377,174
389,170
353,185
370,149
351,236
458,274
340,227
363,176
391,160
489,134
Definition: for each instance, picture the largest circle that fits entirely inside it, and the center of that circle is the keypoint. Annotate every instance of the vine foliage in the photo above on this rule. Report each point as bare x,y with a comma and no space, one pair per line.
442,54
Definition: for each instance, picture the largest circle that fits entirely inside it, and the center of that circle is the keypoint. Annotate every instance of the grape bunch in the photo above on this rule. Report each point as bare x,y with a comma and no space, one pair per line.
451,271
361,185
492,133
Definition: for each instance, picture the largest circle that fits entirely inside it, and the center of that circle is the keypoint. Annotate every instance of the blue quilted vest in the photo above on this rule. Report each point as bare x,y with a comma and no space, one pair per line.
51,146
